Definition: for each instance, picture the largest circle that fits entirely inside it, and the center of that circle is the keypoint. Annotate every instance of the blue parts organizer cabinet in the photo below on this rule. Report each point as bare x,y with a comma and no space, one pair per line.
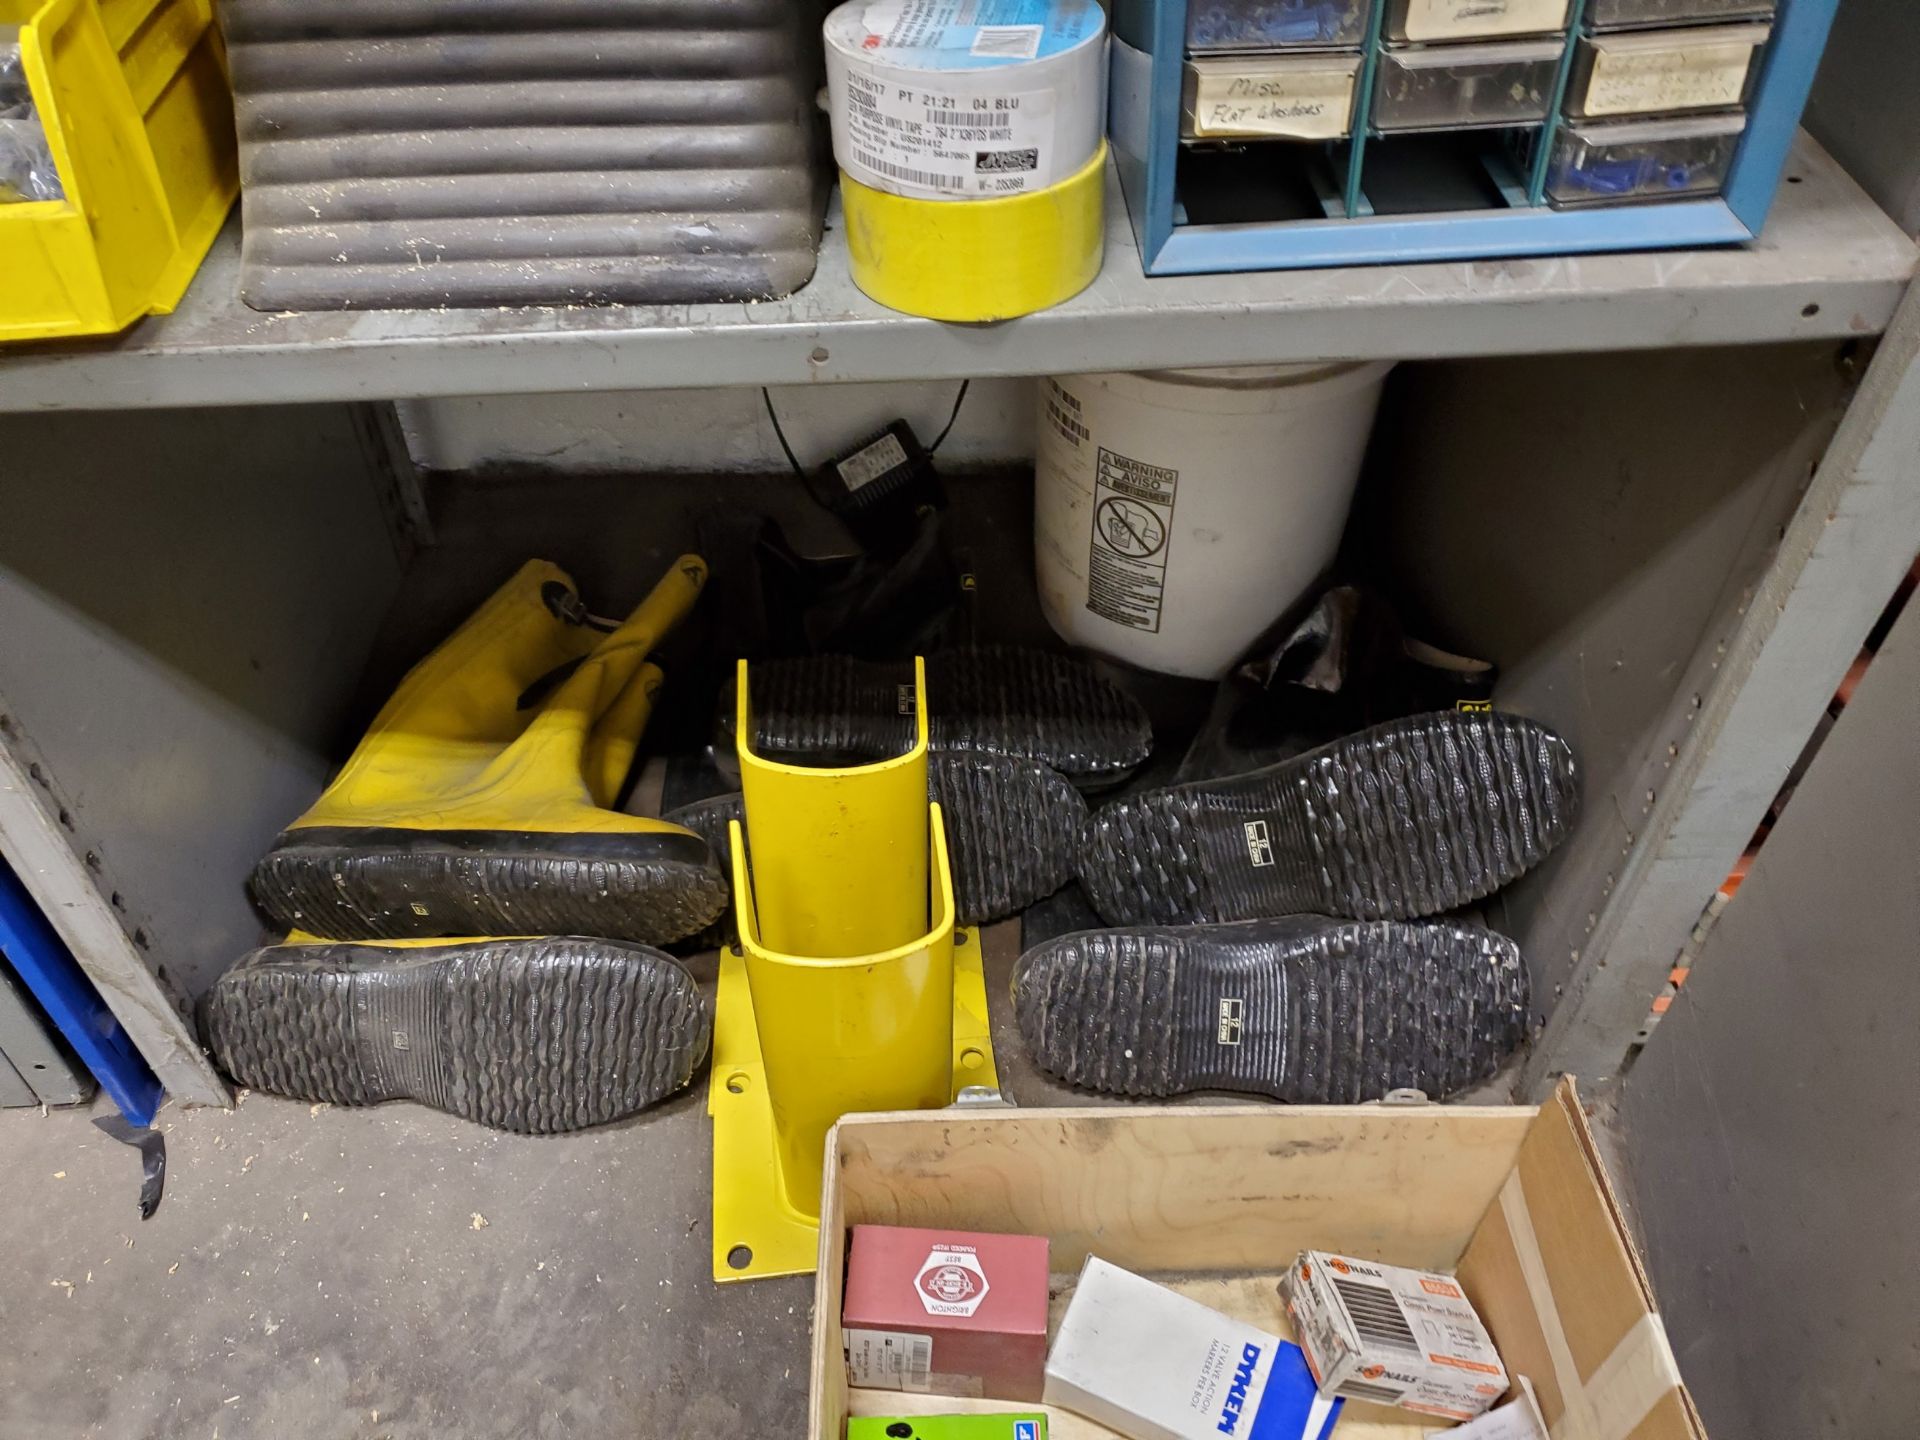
29,946
1281,134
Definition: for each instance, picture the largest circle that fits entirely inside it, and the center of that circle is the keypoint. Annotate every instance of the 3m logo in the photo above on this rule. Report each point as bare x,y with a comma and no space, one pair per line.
1259,846
1001,162
951,1282
1232,1013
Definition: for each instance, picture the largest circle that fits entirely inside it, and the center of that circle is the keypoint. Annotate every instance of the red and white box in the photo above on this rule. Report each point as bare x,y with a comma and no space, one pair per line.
946,1312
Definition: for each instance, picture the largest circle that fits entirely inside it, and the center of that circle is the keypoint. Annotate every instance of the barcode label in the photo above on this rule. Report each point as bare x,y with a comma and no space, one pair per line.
1379,1394
919,1362
975,138
888,1359
1376,1314
972,119
1018,42
908,174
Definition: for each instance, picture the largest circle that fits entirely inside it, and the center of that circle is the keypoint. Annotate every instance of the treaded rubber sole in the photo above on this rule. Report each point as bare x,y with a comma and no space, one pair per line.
995,699
536,1035
1014,828
412,889
1414,817
1303,1008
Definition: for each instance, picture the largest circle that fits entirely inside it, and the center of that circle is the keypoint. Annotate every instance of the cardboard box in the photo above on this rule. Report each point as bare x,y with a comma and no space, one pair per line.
1154,1365
1216,1202
1392,1336
946,1312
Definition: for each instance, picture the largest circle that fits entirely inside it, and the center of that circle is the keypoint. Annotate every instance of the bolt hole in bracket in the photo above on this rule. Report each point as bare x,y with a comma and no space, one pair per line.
778,1235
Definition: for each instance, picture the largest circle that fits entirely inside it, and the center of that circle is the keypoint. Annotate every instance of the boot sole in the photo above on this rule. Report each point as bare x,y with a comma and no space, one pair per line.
1301,1009
1014,829
535,1036
393,884
995,700
1411,818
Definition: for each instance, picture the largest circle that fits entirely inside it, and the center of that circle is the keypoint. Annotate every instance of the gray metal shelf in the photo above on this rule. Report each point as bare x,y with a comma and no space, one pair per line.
1830,265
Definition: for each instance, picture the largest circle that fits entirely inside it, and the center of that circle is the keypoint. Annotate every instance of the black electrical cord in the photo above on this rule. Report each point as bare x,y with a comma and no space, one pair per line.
958,401
766,398
781,435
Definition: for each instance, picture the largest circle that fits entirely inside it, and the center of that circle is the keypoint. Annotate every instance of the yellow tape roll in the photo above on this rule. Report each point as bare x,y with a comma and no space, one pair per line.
977,260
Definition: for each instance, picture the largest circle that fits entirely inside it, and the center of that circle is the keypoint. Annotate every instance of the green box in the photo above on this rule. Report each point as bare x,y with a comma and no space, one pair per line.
948,1427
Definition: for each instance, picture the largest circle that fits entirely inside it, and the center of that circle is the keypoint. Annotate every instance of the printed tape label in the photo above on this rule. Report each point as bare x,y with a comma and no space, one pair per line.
958,138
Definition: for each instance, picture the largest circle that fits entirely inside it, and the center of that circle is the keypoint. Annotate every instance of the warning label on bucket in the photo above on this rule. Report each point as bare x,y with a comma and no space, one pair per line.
1132,523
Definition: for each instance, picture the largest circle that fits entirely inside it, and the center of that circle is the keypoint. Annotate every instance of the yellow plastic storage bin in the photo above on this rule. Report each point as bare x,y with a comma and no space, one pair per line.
139,117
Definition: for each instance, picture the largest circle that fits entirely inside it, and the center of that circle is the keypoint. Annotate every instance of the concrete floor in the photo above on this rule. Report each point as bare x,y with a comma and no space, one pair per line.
317,1273
395,1273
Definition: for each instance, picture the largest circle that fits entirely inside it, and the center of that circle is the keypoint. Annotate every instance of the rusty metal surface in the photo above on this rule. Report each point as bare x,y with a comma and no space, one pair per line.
425,153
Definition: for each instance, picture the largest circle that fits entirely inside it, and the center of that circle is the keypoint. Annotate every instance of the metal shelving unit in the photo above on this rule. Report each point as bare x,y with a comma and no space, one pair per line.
1831,265
189,593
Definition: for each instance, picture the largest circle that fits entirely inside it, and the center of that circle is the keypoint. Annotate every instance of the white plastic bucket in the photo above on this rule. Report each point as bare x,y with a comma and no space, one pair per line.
1179,513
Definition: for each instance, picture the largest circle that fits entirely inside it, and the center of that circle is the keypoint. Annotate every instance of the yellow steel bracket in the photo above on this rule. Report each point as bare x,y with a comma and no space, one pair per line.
850,988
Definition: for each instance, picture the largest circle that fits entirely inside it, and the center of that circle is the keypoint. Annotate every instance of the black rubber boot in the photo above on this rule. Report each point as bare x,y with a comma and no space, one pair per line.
994,700
533,1035
1303,1008
1411,818
1343,665
1013,830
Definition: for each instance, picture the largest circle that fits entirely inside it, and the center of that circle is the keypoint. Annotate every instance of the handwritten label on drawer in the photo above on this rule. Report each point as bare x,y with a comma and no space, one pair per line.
1305,103
1464,19
1698,76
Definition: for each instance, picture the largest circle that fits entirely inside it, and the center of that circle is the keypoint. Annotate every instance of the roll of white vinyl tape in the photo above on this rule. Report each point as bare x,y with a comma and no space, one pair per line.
966,99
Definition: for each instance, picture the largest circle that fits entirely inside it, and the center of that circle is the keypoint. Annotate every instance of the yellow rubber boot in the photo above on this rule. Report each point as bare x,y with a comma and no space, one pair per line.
477,802
536,1033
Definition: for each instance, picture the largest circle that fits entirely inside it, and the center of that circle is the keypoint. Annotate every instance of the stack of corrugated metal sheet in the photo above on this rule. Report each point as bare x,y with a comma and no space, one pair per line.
418,153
